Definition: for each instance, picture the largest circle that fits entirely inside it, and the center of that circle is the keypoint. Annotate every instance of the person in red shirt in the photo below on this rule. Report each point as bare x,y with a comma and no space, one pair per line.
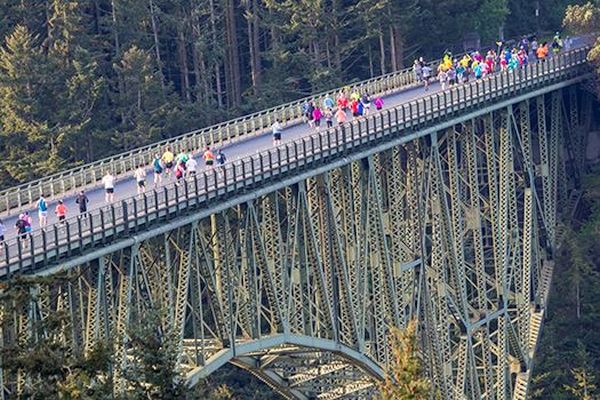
342,101
354,108
61,211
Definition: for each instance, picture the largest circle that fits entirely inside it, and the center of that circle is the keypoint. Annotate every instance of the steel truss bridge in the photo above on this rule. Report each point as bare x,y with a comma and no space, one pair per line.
294,263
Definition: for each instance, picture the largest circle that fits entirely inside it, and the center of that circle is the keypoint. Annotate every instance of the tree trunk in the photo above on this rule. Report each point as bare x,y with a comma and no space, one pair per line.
157,46
96,17
399,46
317,53
393,50
337,57
200,75
183,64
213,28
381,52
113,12
234,55
253,44
371,71
578,299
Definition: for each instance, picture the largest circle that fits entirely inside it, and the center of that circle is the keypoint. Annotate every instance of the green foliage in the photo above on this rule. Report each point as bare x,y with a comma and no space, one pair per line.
404,377
569,358
82,79
52,368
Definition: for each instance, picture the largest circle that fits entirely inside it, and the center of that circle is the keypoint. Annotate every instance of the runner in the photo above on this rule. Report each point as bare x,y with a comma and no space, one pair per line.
183,157
366,102
158,169
418,71
21,226
61,212
328,103
451,77
542,52
109,187
378,103
309,113
29,221
340,116
276,129
443,78
360,109
342,101
460,73
354,108
208,157
180,171
426,75
478,70
140,177
329,117
168,157
534,47
82,200
42,211
557,43
317,115
191,165
221,160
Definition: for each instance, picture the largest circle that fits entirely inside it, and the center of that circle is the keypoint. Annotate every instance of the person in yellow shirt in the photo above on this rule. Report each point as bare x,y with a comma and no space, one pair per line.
465,60
168,157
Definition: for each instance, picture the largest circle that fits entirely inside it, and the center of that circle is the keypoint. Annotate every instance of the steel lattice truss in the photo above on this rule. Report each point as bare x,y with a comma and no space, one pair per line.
301,285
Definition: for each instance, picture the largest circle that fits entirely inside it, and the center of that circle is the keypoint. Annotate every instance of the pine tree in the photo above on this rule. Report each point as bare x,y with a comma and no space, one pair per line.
140,103
404,376
26,86
584,387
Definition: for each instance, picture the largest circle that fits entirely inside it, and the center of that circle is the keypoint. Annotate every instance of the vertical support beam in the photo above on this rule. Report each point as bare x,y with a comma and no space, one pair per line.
523,297
546,170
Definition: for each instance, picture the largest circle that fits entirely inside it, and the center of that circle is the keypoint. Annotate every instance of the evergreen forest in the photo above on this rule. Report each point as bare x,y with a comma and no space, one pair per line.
84,79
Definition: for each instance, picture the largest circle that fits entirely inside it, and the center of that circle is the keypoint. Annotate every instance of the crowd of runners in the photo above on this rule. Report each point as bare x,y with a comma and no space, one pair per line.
171,167
477,65
451,71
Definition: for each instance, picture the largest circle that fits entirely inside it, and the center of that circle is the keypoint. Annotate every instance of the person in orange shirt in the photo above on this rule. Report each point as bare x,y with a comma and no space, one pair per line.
209,157
61,211
542,51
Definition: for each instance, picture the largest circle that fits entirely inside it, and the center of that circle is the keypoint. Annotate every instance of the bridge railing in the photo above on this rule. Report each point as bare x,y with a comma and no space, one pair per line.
91,174
210,188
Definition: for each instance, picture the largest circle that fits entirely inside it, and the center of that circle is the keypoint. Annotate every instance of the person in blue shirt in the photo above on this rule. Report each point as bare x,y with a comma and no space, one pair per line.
42,208
328,103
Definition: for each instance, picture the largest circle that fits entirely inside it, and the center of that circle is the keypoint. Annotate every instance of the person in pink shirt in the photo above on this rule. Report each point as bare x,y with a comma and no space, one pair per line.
317,115
340,116
378,103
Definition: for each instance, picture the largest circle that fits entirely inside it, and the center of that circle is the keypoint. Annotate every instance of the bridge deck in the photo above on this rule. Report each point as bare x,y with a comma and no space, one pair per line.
255,159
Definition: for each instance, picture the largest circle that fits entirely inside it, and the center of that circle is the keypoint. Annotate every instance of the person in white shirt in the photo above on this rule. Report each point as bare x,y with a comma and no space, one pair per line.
140,177
276,129
109,187
190,165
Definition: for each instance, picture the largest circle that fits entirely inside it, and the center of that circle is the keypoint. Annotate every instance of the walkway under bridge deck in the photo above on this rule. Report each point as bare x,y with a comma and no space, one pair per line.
294,262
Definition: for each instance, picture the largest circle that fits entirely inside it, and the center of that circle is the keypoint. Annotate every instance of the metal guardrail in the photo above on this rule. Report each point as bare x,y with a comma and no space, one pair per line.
61,183
119,221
